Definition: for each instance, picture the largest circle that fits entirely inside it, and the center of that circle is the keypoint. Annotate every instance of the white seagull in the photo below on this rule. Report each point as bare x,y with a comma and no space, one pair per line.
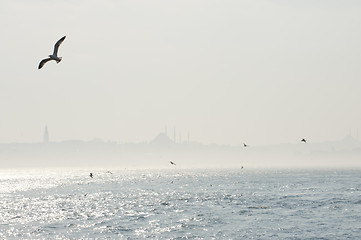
54,56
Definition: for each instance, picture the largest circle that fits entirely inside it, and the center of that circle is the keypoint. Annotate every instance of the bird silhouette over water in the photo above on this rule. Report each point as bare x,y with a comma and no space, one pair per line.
303,140
245,145
173,163
91,175
53,56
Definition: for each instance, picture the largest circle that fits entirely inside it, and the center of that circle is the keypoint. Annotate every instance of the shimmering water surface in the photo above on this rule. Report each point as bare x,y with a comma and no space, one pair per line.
180,204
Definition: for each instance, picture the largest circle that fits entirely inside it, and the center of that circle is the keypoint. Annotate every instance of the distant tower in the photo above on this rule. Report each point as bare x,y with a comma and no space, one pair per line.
46,135
174,135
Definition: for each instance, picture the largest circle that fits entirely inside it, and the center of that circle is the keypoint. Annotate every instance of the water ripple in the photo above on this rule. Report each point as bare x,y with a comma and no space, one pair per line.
195,204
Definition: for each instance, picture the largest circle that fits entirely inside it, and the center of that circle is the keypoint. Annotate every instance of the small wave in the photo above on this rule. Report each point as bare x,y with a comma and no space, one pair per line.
258,207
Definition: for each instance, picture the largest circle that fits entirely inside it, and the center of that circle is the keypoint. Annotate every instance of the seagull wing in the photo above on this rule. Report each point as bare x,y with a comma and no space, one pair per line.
57,44
41,64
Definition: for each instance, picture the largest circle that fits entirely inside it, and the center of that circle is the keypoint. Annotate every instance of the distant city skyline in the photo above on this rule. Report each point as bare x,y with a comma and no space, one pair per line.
157,153
176,138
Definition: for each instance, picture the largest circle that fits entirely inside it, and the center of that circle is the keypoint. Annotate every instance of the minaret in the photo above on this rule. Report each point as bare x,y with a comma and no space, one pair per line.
174,136
46,135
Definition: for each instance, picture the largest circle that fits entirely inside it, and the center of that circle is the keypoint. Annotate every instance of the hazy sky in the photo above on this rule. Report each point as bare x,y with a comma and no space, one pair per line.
227,72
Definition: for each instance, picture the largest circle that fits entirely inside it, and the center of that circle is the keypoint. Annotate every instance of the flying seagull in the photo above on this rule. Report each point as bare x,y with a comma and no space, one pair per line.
54,56
245,145
303,140
173,163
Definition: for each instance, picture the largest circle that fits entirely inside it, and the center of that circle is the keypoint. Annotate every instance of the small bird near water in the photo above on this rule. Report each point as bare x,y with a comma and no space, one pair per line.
303,140
53,56
173,163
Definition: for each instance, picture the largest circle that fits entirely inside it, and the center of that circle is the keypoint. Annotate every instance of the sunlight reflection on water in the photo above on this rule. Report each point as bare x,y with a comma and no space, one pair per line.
167,204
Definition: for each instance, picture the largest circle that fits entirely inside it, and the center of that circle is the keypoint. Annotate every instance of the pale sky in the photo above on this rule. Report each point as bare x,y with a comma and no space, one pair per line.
227,72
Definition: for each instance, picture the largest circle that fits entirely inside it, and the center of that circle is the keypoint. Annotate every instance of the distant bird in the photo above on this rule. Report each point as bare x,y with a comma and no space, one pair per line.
245,145
109,172
173,163
303,140
54,56
91,175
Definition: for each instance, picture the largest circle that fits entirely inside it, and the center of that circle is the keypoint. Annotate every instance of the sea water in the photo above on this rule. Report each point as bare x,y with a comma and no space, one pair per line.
180,204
